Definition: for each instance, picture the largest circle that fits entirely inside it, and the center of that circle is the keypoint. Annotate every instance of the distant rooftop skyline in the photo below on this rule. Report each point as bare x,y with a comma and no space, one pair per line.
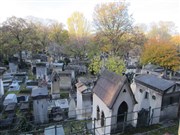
143,11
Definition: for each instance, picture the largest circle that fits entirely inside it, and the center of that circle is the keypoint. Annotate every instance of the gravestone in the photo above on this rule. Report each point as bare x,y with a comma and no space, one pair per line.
41,71
2,70
65,80
1,87
13,64
55,87
40,105
72,109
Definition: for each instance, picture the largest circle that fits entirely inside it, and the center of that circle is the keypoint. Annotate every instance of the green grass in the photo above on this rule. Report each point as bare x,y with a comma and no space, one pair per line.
154,130
21,91
24,90
64,95
75,126
31,76
140,129
12,92
172,130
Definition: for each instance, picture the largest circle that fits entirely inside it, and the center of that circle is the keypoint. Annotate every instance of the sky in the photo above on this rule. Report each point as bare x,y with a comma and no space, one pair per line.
143,11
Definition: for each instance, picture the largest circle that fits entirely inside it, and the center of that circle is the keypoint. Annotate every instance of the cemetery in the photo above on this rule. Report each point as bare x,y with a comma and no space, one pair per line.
88,99
107,74
27,93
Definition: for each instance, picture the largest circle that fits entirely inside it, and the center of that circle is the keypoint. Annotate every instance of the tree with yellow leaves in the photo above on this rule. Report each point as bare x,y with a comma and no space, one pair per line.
176,41
161,53
79,33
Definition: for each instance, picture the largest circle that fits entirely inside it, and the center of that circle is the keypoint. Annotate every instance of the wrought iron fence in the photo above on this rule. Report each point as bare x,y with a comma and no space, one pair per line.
83,123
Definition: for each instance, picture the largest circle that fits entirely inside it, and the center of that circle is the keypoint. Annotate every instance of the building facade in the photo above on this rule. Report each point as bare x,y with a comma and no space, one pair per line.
112,102
159,97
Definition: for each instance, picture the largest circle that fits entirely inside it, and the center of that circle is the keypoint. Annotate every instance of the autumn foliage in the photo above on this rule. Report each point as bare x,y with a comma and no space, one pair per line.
176,40
161,53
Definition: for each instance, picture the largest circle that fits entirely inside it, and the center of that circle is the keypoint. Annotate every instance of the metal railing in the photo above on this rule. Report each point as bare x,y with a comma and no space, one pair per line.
24,123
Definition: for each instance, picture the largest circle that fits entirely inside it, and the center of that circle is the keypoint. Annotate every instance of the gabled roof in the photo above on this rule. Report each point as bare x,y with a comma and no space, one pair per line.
109,86
154,82
81,87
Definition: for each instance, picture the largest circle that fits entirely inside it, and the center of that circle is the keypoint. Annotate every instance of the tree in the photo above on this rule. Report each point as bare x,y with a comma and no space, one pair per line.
116,65
112,63
78,26
3,41
16,32
59,38
161,53
58,34
162,30
40,38
79,32
112,21
176,41
95,65
92,47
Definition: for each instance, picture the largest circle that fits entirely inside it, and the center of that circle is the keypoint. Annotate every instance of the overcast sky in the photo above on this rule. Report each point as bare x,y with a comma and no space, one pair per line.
143,11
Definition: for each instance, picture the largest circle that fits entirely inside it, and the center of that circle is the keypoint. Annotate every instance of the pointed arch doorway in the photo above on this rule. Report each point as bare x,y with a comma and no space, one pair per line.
123,108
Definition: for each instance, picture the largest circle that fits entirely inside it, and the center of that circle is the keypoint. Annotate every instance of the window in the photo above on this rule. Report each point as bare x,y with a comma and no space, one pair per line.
98,113
154,97
141,90
146,95
171,100
102,119
124,90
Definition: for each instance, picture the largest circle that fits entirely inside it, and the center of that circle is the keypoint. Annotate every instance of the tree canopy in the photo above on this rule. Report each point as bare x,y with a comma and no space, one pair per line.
16,32
176,41
112,22
79,32
112,63
161,53
162,30
58,34
78,25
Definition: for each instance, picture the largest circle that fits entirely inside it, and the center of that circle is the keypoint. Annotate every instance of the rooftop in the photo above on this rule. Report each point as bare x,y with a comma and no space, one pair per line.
108,87
81,87
39,92
154,82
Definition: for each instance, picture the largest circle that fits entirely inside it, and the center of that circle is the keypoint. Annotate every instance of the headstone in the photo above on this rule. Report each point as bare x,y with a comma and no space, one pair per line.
41,71
13,67
72,109
55,87
54,130
62,103
65,80
13,64
40,105
1,87
2,70
58,67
